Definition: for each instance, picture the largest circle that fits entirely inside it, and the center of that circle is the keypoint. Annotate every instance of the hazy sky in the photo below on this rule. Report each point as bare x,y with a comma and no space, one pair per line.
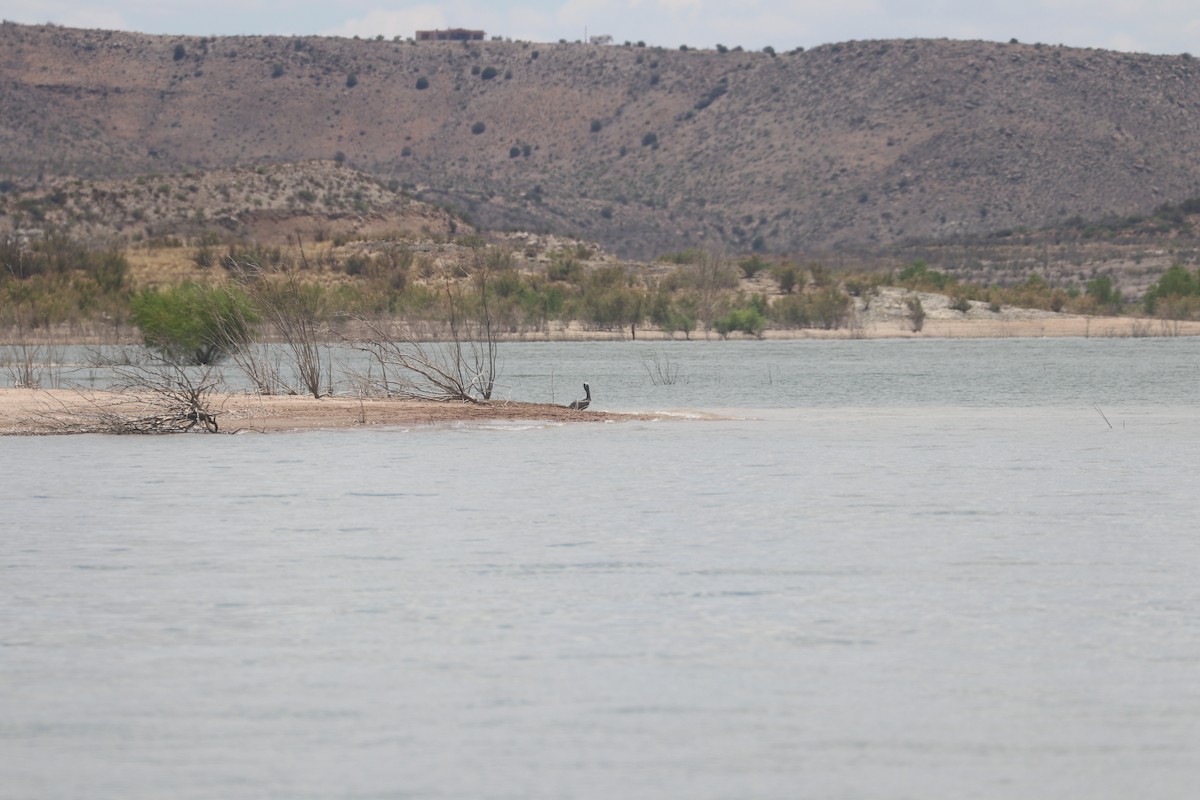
1153,26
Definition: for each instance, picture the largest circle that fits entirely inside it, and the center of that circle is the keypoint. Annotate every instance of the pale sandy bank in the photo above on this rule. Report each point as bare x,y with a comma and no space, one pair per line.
42,412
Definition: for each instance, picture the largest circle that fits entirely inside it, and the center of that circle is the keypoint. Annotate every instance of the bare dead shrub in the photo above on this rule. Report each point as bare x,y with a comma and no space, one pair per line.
459,365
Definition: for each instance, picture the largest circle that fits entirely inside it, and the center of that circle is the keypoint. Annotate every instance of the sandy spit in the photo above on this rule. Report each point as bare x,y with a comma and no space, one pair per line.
58,411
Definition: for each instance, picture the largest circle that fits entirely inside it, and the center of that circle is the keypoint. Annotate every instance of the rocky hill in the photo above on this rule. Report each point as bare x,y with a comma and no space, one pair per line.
270,204
645,150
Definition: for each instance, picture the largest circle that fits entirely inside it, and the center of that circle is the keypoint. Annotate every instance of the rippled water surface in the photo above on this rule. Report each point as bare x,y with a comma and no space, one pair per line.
913,569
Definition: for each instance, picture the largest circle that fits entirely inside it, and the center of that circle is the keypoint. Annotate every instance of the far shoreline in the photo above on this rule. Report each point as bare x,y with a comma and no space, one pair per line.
938,324
1049,326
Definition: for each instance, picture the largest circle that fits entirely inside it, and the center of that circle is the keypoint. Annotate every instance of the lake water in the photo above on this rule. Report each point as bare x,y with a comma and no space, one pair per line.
904,569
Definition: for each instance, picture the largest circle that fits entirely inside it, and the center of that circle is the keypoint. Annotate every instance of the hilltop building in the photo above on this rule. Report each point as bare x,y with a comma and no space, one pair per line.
450,35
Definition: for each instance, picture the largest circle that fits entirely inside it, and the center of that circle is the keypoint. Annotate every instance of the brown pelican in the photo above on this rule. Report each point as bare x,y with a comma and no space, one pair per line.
580,405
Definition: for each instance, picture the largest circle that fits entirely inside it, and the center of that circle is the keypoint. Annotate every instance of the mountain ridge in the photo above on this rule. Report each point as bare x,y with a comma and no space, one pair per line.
644,150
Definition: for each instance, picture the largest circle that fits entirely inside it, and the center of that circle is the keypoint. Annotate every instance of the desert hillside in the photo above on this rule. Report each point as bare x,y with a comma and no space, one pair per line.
645,150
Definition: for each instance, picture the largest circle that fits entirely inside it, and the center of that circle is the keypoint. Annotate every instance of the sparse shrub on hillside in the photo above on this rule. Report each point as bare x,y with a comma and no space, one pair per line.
277,70
916,313
712,95
788,276
596,126
918,275
960,302
205,256
478,128
751,266
351,81
422,83
488,73
650,140
566,270
257,255
1104,292
514,152
690,256
180,53
1175,283
356,264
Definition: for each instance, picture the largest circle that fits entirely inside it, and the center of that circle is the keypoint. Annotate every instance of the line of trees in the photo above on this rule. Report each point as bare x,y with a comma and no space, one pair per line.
252,291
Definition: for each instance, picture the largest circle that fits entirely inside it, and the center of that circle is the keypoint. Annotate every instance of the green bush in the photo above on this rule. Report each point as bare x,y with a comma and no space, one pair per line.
422,83
919,276
746,320
827,307
1175,282
788,277
568,270
672,312
752,266
607,306
193,324
478,128
1102,291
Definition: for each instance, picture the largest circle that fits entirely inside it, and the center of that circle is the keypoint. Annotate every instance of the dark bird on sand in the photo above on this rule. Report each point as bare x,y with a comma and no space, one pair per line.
580,405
